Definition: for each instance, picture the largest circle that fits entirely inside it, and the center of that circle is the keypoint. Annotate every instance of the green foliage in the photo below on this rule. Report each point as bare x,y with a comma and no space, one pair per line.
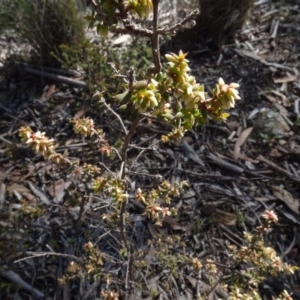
263,259
44,24
175,97
109,11
90,266
137,56
95,59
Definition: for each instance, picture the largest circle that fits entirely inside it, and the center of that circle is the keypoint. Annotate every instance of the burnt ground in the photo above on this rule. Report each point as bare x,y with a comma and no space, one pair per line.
242,168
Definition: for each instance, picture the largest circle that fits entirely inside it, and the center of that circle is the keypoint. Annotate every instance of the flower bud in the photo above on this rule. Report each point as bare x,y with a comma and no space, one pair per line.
171,58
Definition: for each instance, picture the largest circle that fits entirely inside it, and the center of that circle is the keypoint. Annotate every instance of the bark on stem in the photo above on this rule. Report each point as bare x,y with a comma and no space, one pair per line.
155,38
124,204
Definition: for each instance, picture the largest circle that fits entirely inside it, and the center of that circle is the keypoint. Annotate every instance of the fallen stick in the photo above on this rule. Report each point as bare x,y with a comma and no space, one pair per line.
63,79
54,70
277,168
15,278
224,164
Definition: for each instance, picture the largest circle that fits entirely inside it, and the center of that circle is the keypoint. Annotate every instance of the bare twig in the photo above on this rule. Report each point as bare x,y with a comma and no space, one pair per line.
15,278
224,164
166,30
142,150
55,70
214,287
51,253
38,254
277,168
115,114
128,139
215,177
155,38
62,79
131,28
275,29
124,204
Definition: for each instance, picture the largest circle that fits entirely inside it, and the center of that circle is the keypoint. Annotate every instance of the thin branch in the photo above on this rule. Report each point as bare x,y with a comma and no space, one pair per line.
214,287
128,139
132,29
155,38
69,256
38,254
124,204
15,278
115,114
166,29
63,79
142,150
117,152
100,13
277,168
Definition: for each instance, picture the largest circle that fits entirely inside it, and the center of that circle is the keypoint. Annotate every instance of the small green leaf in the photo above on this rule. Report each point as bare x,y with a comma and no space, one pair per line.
179,115
124,97
168,116
102,30
141,85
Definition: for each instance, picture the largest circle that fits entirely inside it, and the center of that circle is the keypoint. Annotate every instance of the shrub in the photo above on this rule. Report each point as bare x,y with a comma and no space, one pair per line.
221,19
168,92
44,24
